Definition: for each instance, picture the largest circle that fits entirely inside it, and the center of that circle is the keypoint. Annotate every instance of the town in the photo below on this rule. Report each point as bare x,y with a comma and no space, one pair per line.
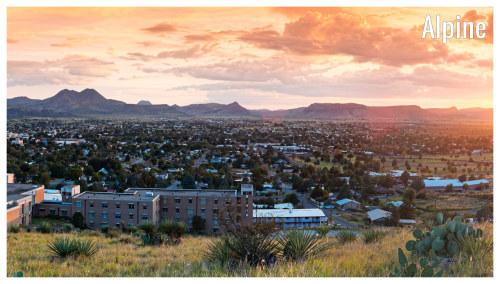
315,173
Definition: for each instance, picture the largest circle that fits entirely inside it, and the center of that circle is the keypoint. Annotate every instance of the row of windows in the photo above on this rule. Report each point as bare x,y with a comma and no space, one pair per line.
104,216
117,205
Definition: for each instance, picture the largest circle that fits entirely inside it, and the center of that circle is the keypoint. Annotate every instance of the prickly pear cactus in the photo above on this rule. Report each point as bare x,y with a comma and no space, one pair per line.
443,240
430,249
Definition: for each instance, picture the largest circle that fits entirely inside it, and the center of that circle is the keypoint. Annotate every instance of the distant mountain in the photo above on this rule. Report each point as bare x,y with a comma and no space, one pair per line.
144,103
90,103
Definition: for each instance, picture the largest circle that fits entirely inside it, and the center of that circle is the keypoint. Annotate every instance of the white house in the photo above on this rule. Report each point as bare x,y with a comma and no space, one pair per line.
291,218
378,215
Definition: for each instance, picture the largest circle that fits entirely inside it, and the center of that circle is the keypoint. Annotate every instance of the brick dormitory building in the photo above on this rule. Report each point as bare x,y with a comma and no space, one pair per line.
218,208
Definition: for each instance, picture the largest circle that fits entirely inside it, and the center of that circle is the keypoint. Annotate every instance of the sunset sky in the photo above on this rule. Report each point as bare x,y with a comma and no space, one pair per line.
269,58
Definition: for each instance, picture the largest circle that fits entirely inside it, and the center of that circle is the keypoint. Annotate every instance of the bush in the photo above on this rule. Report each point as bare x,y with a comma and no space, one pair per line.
44,228
64,247
174,230
219,252
299,245
323,231
67,228
14,229
372,236
77,220
198,224
345,237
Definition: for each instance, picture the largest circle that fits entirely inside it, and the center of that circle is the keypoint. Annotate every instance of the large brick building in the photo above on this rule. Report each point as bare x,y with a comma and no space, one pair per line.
220,210
21,201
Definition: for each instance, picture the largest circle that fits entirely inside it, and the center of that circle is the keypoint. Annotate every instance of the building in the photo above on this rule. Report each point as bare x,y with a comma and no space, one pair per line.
442,184
348,204
21,201
220,209
58,202
291,218
11,178
378,215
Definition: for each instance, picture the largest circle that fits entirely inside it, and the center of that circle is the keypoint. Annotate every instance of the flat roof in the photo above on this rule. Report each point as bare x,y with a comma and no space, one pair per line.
16,191
429,183
287,213
113,196
186,192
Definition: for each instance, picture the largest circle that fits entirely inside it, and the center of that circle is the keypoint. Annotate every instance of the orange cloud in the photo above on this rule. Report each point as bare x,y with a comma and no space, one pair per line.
160,28
348,34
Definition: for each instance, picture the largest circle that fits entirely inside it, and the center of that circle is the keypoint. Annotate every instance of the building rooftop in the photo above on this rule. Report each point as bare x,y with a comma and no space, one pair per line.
429,183
186,192
345,201
287,213
16,191
112,196
376,214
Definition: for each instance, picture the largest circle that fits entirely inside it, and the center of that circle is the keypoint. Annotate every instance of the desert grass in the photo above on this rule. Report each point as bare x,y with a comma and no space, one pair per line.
124,256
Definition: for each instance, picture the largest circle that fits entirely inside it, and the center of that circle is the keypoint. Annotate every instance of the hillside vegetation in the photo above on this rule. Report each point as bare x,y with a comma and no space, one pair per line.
123,255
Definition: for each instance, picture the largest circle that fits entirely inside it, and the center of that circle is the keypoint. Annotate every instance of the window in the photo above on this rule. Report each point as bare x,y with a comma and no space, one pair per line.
190,212
52,212
78,204
91,215
131,216
117,205
216,201
215,211
118,215
91,204
203,201
190,201
131,206
177,200
145,217
64,213
104,215
104,205
177,210
144,206
164,210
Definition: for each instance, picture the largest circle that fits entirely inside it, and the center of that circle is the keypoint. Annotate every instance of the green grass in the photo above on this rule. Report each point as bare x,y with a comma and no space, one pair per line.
125,256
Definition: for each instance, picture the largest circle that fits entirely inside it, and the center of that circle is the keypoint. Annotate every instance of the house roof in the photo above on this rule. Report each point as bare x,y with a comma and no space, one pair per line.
430,183
377,214
345,201
287,213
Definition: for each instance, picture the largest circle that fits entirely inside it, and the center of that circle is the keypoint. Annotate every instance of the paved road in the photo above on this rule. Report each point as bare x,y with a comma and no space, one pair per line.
330,213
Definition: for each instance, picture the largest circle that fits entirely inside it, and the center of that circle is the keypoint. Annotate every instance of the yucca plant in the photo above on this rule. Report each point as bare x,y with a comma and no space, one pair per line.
345,237
219,252
44,228
299,245
372,236
323,230
64,247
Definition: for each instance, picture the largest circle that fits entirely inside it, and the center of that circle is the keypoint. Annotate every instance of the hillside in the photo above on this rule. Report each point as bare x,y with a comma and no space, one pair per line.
90,103
123,256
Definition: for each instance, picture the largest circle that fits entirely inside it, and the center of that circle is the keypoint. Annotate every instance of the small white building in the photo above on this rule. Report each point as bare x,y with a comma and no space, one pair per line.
291,218
378,215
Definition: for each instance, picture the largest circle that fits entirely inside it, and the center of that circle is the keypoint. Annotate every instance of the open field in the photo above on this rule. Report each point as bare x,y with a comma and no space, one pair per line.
124,256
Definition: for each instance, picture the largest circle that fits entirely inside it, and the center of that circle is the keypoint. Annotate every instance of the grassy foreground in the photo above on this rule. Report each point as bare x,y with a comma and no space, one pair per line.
123,257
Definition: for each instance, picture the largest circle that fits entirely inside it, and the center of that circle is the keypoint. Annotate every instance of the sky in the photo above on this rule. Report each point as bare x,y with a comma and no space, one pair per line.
263,58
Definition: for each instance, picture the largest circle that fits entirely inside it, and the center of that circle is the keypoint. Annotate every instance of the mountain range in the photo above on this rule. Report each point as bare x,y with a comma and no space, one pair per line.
90,103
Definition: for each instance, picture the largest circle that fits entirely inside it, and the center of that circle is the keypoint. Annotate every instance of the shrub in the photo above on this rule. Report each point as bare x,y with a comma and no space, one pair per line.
14,229
77,220
345,237
64,247
372,236
44,228
323,230
198,224
174,230
299,245
66,228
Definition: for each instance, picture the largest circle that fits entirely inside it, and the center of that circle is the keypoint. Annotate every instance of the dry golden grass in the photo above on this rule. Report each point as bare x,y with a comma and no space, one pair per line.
122,257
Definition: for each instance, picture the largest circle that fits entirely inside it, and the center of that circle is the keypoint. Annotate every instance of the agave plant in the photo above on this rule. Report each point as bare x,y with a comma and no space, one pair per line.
64,247
299,245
